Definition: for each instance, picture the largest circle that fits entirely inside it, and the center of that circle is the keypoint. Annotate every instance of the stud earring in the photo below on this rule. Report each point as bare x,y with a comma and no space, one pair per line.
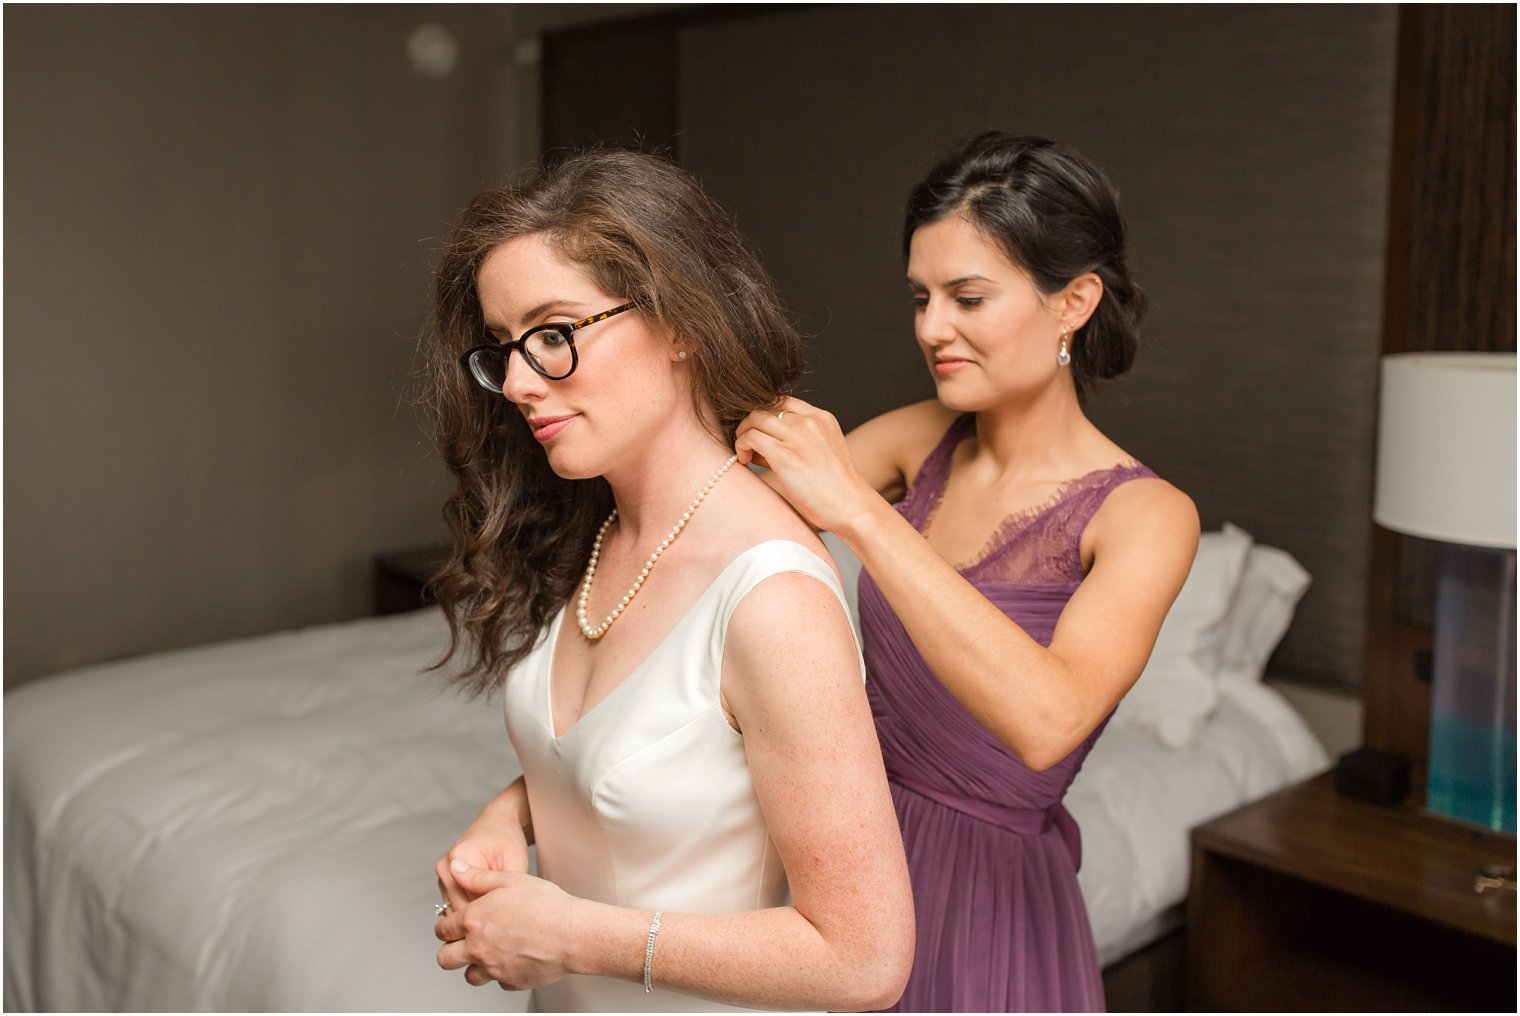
682,354
1063,357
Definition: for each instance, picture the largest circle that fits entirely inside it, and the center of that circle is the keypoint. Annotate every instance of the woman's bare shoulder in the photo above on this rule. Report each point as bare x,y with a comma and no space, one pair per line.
756,514
895,444
1148,494
1146,512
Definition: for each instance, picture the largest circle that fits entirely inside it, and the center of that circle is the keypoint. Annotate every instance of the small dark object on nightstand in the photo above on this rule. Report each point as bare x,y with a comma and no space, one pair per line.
1368,774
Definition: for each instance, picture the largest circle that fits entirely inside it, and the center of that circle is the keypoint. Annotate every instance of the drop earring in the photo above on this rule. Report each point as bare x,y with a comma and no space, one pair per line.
1063,357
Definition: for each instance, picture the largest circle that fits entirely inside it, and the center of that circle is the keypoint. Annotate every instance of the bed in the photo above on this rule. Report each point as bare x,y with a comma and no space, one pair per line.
252,825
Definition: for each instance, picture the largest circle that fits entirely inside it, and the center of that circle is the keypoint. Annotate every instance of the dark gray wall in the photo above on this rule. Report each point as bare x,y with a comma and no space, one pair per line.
218,228
1251,147
220,219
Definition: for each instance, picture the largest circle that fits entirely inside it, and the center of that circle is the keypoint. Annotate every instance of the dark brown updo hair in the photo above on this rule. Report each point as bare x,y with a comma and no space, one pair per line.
1056,216
645,232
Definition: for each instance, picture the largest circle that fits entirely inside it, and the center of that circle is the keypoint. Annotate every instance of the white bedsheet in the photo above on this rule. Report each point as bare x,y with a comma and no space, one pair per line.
1135,801
252,825
244,826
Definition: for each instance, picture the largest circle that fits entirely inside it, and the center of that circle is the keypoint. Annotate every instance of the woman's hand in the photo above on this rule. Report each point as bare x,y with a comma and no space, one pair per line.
810,462
515,930
497,840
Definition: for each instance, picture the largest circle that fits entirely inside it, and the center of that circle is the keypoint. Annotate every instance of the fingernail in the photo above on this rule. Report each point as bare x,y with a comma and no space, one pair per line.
459,866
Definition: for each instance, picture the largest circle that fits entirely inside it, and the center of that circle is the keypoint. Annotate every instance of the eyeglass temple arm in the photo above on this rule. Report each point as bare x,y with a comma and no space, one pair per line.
603,316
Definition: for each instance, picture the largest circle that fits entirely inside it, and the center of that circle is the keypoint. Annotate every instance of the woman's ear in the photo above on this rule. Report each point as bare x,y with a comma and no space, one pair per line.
1076,303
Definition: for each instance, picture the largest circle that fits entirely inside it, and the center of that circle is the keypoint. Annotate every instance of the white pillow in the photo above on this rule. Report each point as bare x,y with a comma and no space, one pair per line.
1270,589
1176,691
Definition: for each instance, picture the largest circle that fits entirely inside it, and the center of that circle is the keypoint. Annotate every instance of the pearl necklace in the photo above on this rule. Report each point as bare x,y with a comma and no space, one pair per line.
596,552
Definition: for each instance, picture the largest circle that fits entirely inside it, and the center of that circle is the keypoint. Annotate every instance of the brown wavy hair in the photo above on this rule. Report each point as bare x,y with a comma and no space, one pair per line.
644,231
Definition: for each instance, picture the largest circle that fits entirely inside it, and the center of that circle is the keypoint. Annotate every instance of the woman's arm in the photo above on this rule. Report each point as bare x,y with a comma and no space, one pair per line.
497,840
887,450
792,678
1041,703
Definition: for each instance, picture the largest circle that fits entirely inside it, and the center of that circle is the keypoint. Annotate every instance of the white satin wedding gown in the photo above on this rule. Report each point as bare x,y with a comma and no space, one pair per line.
646,802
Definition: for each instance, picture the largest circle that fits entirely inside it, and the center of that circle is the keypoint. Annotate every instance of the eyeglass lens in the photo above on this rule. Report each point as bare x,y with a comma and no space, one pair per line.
547,350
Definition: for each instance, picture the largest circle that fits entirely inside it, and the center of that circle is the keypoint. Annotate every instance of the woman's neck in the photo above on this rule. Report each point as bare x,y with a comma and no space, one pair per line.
1042,436
653,491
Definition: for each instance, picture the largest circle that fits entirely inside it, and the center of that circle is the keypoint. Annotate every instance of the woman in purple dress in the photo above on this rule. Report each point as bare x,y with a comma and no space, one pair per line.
1012,594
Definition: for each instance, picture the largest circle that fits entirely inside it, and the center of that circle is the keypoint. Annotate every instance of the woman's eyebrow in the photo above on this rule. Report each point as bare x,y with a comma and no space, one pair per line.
497,328
953,282
548,305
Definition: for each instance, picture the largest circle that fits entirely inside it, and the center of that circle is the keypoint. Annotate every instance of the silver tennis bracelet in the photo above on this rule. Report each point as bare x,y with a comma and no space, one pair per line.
654,930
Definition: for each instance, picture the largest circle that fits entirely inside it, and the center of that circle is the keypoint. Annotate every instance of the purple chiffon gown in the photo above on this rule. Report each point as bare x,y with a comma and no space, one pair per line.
992,852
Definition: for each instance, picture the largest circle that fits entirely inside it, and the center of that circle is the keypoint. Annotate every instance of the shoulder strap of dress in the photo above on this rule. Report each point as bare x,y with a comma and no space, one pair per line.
775,557
1087,504
929,484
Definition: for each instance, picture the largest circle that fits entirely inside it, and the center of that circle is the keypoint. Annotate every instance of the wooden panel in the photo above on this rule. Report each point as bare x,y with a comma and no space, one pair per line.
1463,261
1334,904
1274,944
612,84
619,82
1449,284
1400,857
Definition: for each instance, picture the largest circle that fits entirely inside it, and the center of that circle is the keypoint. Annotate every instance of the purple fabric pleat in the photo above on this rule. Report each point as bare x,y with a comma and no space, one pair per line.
992,852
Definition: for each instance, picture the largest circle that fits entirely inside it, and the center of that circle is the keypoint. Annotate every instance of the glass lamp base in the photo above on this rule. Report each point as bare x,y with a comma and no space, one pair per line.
1472,716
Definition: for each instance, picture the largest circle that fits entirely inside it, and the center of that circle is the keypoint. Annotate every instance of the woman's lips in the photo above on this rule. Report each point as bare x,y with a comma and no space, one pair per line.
950,365
549,426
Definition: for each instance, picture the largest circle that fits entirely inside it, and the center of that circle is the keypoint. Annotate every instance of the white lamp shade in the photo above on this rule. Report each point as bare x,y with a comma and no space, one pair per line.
1446,447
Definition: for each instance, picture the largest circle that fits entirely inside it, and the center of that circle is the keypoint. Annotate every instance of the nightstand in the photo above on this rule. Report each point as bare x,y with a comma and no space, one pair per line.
400,576
1308,900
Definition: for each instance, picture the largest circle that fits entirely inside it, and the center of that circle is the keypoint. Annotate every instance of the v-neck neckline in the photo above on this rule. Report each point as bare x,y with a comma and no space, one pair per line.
1004,530
637,670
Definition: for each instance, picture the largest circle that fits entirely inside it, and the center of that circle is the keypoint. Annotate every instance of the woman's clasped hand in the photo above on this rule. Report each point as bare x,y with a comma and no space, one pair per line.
516,929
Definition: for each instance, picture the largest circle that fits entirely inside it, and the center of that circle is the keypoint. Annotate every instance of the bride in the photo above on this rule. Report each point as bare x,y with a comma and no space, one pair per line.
701,775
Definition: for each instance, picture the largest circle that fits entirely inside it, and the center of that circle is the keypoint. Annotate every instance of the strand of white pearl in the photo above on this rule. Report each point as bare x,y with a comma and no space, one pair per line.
596,552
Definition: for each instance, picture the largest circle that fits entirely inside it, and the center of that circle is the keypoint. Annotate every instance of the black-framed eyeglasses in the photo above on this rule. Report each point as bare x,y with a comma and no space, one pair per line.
549,350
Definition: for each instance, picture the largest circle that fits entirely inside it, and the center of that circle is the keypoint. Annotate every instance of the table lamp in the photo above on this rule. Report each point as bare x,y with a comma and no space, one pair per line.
1446,472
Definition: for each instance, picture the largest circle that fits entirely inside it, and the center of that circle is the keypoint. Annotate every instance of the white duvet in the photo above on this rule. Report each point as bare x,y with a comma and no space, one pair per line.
252,825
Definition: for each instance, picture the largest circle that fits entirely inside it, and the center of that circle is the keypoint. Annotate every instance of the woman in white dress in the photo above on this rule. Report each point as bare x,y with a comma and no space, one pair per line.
701,774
